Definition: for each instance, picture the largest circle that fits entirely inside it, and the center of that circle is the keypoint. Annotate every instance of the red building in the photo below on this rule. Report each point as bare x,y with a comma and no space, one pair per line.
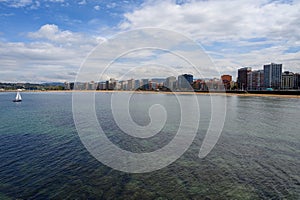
226,79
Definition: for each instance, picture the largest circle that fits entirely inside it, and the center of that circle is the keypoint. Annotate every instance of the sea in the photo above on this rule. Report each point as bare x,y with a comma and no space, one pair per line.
257,155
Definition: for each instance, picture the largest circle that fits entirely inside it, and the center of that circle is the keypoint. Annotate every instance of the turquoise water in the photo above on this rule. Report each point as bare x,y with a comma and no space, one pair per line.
42,157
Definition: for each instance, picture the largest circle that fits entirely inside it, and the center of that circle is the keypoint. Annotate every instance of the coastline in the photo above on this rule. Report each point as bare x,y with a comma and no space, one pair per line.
229,94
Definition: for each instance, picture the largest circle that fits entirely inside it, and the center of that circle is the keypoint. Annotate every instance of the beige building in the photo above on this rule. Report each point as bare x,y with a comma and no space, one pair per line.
287,80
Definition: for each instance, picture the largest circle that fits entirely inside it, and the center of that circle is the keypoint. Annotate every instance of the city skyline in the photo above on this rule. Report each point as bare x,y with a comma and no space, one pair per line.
234,77
43,41
271,76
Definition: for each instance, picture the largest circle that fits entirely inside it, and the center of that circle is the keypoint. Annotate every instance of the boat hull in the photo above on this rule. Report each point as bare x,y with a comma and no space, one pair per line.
17,100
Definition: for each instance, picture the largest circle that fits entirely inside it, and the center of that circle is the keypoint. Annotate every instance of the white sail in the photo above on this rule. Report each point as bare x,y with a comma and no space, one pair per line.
18,97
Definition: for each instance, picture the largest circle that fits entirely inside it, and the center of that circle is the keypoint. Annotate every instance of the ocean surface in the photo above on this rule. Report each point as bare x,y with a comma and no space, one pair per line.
256,157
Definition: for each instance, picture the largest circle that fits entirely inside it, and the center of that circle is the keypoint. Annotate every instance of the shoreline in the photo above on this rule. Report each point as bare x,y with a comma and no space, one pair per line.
230,94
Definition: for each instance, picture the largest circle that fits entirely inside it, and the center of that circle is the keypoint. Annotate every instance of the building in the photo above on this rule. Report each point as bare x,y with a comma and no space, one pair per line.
145,84
159,81
199,85
80,86
296,81
272,76
214,84
171,83
90,85
69,86
122,85
137,84
243,77
111,84
102,85
130,84
255,80
226,79
185,81
153,85
156,83
287,80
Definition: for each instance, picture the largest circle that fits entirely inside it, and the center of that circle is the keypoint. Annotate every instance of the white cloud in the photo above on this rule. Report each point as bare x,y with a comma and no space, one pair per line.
35,5
232,23
54,55
6,14
217,19
97,7
236,34
58,1
83,2
21,61
18,3
142,49
111,5
52,33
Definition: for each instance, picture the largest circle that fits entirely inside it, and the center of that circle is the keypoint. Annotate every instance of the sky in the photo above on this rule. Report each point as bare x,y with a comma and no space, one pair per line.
48,40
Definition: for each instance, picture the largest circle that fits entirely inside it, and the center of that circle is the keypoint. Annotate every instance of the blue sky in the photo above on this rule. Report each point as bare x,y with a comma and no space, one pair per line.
47,40
78,16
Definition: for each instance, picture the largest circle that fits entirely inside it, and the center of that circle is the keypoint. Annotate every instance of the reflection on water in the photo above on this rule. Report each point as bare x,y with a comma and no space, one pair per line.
257,156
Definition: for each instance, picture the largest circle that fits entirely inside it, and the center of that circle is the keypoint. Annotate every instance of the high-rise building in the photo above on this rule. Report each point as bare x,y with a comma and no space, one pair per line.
272,75
226,79
145,84
171,83
90,85
130,84
287,80
102,85
185,81
137,84
67,85
79,86
255,80
243,77
111,84
296,81
122,85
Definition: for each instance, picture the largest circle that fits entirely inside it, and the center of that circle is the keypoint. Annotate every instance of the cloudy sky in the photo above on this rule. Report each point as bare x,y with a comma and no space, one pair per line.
48,40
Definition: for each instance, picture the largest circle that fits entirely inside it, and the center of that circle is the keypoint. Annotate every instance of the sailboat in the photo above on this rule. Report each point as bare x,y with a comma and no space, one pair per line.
18,97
